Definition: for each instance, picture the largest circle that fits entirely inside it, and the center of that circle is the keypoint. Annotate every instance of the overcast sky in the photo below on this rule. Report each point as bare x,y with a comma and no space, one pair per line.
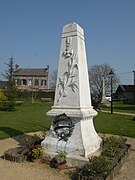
30,30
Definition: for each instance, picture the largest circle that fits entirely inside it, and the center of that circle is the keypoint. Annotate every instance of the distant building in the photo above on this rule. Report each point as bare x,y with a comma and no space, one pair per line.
126,93
27,79
3,84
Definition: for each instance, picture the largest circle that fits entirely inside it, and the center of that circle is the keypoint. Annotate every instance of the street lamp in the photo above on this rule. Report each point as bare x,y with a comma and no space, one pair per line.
111,74
134,83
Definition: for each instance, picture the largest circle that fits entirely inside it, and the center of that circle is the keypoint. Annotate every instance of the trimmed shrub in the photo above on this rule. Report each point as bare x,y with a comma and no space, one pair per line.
113,147
98,168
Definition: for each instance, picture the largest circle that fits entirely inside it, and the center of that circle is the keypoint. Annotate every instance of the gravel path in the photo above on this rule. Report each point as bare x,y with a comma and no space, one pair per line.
122,113
27,171
127,171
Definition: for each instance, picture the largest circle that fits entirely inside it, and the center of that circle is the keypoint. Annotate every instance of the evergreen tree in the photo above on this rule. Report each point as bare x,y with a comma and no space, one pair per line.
11,90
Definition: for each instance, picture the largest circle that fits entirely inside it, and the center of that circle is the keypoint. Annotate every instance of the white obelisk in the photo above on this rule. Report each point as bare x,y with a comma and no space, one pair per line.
104,102
72,128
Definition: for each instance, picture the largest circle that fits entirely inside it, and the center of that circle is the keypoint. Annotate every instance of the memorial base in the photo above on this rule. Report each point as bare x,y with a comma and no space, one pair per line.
82,142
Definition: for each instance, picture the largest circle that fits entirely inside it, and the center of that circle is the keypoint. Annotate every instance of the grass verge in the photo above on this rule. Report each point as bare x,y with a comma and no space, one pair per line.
30,117
120,107
26,118
115,124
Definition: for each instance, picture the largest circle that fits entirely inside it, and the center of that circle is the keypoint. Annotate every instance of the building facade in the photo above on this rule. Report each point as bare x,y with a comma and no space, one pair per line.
126,93
29,79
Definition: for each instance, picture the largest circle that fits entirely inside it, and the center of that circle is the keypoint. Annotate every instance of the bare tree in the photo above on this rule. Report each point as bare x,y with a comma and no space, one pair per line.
32,94
53,78
96,75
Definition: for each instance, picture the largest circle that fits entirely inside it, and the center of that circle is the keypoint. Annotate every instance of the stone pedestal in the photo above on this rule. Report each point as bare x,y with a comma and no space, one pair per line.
72,128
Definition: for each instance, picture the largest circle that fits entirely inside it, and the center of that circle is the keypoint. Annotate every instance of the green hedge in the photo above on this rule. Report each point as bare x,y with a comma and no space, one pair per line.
39,94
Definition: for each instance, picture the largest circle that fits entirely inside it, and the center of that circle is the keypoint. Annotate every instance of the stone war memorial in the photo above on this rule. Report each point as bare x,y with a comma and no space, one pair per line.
104,102
72,128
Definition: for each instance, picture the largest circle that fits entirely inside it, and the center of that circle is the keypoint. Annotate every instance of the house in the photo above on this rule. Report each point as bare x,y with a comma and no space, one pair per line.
28,79
126,93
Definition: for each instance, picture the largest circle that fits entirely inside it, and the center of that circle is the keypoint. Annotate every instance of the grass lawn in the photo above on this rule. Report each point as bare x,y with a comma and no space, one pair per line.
27,117
120,107
115,124
32,117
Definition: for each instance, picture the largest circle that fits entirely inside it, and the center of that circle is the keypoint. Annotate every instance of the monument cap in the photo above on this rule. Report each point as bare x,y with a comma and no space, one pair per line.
72,29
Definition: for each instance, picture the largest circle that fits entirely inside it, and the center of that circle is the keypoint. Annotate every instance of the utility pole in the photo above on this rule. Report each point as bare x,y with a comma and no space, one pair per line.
134,83
134,76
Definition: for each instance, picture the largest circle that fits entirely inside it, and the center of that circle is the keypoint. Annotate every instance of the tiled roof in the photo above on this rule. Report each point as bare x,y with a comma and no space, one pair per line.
31,72
128,88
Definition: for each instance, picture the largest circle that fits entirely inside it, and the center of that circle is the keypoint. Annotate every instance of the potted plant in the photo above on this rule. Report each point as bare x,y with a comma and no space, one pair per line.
37,154
59,160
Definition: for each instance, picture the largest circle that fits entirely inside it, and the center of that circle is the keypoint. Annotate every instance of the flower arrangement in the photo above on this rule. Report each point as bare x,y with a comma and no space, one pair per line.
61,154
37,153
59,158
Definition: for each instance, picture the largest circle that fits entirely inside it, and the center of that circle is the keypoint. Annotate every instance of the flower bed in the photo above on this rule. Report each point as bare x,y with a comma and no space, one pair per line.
105,166
15,154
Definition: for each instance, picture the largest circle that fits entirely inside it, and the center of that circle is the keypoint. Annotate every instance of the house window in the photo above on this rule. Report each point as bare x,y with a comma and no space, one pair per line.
43,82
24,82
17,82
29,82
36,82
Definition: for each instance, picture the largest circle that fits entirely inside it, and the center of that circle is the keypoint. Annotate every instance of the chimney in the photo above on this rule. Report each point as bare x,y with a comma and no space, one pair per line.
47,68
16,67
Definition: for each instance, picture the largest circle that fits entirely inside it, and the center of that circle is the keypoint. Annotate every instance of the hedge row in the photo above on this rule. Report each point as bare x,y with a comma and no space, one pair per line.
39,94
